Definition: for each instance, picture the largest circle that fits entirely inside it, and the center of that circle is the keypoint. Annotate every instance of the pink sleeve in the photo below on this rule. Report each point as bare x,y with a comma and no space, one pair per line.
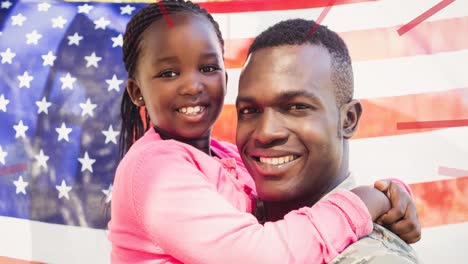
401,183
184,214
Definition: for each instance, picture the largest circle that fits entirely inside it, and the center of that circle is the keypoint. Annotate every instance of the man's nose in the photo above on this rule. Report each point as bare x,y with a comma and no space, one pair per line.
270,130
191,85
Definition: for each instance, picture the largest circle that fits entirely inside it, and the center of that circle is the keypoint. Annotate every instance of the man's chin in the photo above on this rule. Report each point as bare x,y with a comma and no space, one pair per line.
270,194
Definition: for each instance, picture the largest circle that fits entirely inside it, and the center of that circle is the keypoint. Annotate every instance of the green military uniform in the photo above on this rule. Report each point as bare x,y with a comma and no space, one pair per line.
380,247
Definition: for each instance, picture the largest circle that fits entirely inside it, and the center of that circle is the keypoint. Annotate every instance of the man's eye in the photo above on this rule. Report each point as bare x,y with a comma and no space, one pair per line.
298,107
210,68
167,74
247,110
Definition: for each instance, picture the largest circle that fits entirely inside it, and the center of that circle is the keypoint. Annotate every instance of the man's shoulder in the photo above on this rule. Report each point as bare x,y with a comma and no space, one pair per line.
381,246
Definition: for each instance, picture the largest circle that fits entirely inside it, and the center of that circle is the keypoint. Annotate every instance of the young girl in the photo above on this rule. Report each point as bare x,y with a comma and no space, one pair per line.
180,196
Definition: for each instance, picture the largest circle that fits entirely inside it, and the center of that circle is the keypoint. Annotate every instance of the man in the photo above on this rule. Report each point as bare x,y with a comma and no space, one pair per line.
296,113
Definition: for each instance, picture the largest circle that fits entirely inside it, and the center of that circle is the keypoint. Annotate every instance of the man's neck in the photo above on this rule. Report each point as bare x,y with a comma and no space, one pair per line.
277,210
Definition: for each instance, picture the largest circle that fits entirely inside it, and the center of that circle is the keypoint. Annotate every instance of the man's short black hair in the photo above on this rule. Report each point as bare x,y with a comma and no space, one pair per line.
301,31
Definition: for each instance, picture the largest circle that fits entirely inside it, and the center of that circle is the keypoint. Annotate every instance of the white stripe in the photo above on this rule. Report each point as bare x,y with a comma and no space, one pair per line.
444,244
51,243
411,157
411,75
394,77
386,13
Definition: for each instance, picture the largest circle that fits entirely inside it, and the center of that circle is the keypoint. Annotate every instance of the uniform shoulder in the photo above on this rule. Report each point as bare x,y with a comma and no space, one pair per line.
381,246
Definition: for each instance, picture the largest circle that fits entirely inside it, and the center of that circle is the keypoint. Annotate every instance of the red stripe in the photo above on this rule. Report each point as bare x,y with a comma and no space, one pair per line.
380,115
432,124
382,43
6,260
442,202
7,170
270,5
413,23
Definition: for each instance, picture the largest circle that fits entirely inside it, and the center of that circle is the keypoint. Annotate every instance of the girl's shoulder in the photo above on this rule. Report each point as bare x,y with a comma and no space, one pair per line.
224,149
152,146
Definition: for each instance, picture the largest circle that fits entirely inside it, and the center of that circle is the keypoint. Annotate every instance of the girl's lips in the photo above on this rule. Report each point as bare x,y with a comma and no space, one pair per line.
190,115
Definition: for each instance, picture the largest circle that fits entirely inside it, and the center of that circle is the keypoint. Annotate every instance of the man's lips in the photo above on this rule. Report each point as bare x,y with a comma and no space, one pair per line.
269,163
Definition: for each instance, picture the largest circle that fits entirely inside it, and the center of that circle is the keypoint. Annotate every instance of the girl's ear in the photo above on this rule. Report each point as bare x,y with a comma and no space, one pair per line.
134,92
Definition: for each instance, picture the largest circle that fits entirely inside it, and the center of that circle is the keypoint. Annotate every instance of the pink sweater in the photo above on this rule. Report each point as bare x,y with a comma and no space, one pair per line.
172,203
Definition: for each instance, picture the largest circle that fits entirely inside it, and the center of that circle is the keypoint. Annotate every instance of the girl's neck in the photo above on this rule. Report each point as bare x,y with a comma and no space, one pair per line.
202,143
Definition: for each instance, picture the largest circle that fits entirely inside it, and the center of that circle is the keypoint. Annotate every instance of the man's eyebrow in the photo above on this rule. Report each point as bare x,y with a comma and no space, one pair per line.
287,95
244,99
283,96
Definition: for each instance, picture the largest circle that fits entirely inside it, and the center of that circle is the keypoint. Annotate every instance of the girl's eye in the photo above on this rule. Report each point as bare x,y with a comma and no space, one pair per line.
167,74
209,69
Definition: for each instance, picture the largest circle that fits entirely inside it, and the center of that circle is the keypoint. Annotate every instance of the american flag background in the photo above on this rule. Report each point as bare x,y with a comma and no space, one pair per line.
62,75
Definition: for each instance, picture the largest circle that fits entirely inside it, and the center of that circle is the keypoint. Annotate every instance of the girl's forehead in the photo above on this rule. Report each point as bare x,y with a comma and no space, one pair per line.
186,31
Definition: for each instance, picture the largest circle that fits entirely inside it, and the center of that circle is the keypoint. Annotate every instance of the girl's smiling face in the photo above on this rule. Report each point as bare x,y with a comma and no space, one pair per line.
180,75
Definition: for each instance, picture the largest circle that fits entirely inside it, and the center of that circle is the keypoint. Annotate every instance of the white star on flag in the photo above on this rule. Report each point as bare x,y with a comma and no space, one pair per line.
128,9
87,108
25,80
43,106
33,37
49,59
18,20
3,103
75,39
114,83
6,4
20,129
111,135
20,185
7,56
117,41
42,159
92,60
3,155
85,8
108,193
101,23
58,22
86,162
67,81
63,132
42,7
63,190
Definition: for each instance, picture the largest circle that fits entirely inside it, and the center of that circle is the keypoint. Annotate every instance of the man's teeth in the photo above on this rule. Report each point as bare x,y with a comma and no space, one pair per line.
278,160
191,110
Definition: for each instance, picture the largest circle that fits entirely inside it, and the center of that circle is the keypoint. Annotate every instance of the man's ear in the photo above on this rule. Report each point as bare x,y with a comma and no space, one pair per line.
350,115
227,77
134,92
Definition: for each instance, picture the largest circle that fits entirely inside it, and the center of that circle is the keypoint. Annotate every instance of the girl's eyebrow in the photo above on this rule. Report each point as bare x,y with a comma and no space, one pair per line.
167,59
209,55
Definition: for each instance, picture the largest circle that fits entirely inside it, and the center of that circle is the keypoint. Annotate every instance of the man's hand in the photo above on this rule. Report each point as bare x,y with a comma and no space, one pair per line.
402,219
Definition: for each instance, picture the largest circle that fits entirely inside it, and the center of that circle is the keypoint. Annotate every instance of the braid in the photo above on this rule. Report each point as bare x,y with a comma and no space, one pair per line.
133,127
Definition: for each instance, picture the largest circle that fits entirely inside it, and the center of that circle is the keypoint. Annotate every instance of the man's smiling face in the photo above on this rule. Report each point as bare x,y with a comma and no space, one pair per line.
289,127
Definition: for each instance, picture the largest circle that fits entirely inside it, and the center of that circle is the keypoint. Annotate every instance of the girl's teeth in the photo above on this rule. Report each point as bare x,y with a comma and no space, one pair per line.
191,110
277,161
